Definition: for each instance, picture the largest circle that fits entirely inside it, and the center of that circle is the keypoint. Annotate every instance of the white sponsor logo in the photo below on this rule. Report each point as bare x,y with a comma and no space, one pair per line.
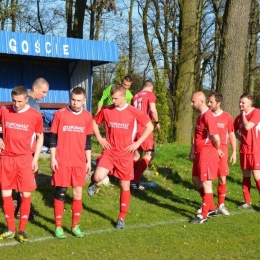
118,125
221,125
73,128
16,126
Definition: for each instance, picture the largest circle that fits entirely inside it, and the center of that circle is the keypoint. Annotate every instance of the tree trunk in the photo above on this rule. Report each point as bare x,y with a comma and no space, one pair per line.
253,39
80,7
185,75
232,53
69,16
130,35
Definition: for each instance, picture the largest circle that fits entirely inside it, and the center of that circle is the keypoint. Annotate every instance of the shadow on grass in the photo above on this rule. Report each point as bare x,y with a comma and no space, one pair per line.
160,191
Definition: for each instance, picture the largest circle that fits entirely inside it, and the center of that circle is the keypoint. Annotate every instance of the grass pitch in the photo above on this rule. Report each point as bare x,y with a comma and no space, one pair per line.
157,225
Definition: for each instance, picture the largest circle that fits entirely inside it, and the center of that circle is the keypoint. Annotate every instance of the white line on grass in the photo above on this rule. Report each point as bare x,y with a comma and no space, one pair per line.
160,223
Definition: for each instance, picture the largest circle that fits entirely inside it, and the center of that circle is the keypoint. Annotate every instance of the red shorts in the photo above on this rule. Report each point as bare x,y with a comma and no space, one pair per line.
69,176
17,174
205,169
122,168
147,144
223,163
250,161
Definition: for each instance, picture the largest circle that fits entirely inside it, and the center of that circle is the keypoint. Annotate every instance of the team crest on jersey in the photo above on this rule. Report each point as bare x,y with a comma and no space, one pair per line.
118,125
73,128
16,126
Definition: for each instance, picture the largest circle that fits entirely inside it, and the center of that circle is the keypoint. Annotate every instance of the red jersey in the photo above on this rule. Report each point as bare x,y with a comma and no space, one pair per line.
19,128
225,126
141,101
250,139
205,127
72,129
121,126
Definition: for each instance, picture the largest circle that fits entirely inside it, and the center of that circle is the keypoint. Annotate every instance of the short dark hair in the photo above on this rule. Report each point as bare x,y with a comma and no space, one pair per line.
148,83
248,96
19,90
79,91
117,88
39,82
127,78
218,97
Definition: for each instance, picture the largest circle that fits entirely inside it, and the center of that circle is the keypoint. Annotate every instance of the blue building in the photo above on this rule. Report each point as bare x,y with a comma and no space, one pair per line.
64,62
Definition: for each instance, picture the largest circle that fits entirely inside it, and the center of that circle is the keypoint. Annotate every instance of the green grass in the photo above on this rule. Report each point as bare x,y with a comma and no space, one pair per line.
157,225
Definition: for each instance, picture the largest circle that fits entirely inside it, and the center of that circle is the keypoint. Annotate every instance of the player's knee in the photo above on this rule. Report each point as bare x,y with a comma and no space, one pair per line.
60,193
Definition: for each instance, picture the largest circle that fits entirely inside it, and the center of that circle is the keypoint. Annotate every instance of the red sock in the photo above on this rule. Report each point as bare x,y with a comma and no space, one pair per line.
124,203
24,212
58,212
207,203
201,192
8,208
222,190
136,165
246,186
141,167
257,182
76,208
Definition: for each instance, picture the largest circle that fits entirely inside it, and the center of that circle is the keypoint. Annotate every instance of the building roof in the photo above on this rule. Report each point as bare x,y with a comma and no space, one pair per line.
27,44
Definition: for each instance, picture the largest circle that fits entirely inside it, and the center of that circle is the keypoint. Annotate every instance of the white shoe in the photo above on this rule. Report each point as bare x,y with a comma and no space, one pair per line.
223,210
199,210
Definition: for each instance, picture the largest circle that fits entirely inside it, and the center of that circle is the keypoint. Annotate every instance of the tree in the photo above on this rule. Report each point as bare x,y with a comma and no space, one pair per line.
185,74
232,53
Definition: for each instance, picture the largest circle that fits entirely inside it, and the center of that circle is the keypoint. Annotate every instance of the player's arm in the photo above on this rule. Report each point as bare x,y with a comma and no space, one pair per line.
53,145
148,130
247,124
232,138
39,144
191,155
105,95
102,141
154,115
216,142
88,153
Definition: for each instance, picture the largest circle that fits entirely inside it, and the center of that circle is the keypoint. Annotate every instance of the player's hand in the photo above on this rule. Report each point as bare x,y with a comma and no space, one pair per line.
220,153
191,156
54,165
131,148
34,166
157,127
233,158
104,143
88,167
2,144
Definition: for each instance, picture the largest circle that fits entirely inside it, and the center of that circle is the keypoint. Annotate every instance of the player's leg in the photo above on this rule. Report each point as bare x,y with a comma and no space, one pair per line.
24,215
124,202
105,165
60,195
8,208
76,209
141,167
246,187
256,174
222,190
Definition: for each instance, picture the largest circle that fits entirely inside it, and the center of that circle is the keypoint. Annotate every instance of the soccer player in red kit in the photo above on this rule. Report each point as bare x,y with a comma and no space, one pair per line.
205,154
117,157
226,132
247,130
22,143
70,147
145,101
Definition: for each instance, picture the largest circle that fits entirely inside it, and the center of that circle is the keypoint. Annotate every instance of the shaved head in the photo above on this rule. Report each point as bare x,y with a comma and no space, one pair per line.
198,101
